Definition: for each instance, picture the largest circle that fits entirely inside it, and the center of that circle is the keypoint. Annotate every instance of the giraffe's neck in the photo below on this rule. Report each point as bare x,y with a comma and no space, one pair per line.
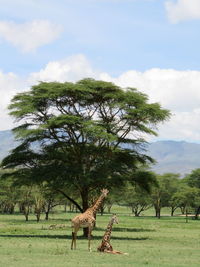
97,204
108,231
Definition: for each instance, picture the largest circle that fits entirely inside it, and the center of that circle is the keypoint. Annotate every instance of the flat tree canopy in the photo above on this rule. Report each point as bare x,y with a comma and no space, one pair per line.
82,136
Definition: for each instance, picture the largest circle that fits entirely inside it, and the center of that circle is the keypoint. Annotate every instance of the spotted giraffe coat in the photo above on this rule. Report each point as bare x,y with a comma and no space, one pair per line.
105,243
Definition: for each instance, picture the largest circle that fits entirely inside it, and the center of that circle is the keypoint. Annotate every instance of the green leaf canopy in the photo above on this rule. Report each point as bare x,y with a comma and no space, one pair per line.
86,134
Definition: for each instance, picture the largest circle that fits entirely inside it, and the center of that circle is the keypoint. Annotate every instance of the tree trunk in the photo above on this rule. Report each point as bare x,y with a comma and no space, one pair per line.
173,210
182,210
186,216
65,207
12,208
157,206
158,210
109,208
47,209
101,210
26,210
135,211
46,215
21,208
197,213
37,214
95,216
71,207
38,217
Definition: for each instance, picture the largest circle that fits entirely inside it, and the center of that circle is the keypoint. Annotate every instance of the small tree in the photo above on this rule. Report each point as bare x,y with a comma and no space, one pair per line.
162,194
193,180
51,200
9,194
111,200
38,201
186,198
26,200
137,199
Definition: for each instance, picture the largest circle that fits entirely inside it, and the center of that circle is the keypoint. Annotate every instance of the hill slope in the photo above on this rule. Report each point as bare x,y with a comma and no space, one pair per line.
171,156
6,143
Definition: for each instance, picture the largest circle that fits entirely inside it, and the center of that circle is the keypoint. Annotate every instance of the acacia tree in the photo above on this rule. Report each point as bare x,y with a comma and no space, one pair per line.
186,198
52,199
9,195
162,194
25,200
137,199
85,135
193,180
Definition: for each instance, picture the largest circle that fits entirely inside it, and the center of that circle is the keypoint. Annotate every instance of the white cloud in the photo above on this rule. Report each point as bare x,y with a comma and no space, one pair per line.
70,69
182,10
30,35
178,91
10,84
182,126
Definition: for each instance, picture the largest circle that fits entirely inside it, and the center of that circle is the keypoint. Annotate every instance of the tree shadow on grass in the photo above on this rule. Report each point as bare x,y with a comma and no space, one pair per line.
69,237
126,229
115,229
34,221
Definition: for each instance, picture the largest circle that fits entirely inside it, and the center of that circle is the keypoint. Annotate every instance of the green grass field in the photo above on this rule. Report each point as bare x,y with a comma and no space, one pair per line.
148,241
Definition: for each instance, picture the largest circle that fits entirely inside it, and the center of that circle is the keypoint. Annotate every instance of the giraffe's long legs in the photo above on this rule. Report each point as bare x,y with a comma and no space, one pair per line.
89,238
72,240
74,235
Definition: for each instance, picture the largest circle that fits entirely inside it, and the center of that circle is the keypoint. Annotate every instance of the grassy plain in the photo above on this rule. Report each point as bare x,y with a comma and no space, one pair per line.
148,241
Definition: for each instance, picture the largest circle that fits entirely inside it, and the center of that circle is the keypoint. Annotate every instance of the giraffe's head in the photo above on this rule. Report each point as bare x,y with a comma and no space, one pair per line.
115,219
104,192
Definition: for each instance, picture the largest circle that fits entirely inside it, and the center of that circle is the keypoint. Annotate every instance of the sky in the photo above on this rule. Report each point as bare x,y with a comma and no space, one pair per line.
151,45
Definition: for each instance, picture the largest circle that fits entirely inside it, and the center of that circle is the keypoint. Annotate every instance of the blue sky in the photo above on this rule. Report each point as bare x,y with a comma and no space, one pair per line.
149,44
114,35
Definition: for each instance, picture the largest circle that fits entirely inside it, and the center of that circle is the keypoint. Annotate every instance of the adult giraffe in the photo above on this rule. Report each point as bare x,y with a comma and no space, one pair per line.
87,219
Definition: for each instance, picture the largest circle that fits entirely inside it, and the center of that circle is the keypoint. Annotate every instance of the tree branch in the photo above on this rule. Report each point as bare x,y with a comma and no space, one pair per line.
70,199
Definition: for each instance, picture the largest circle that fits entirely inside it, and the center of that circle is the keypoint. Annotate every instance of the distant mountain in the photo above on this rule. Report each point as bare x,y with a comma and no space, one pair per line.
171,156
7,142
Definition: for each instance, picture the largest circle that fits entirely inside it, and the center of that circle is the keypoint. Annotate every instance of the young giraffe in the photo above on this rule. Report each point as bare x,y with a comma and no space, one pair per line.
105,243
87,219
